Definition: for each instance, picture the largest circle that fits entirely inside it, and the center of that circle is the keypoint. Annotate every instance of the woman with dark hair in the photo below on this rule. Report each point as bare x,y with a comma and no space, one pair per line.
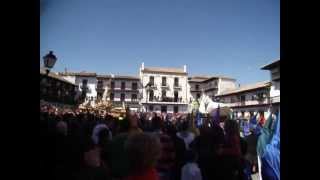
143,152
230,152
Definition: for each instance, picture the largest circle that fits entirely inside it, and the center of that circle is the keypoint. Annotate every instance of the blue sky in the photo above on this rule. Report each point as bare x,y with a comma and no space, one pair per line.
228,37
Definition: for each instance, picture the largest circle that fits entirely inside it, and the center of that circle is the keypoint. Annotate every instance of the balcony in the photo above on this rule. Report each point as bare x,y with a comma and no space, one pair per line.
177,86
125,90
164,86
99,88
195,90
85,88
275,99
119,102
210,87
264,101
167,100
153,87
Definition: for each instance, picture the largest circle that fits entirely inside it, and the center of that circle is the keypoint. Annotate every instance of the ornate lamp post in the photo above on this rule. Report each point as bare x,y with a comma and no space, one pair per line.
49,61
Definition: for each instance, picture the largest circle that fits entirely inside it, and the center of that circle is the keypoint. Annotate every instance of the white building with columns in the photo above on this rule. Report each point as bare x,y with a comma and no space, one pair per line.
164,89
209,85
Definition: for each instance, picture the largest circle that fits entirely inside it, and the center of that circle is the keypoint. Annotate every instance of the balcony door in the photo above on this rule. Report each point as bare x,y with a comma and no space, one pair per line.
176,96
151,80
163,94
164,81
176,82
151,94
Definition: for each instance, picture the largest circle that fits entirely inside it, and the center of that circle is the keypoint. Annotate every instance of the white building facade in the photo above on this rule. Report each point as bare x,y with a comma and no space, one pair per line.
248,100
274,69
85,81
209,85
156,89
164,89
120,90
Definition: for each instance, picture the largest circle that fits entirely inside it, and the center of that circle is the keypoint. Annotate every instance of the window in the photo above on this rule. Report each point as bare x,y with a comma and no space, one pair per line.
164,109
176,82
122,97
112,84
164,93
134,97
151,80
175,109
260,95
164,81
176,96
99,95
134,86
100,84
151,95
242,98
198,95
150,108
84,84
123,85
197,87
111,97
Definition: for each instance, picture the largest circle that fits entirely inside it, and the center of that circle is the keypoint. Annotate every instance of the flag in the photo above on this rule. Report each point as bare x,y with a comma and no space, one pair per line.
198,119
253,122
265,136
257,130
262,121
216,116
246,128
270,159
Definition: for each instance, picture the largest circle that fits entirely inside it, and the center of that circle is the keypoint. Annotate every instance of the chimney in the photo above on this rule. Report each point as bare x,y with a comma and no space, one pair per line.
185,68
142,66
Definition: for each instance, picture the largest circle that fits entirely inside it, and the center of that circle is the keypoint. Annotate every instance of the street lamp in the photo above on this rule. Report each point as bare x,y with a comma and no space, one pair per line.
49,60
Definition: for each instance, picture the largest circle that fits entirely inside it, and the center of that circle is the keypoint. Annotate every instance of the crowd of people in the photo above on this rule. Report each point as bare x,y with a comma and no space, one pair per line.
84,145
